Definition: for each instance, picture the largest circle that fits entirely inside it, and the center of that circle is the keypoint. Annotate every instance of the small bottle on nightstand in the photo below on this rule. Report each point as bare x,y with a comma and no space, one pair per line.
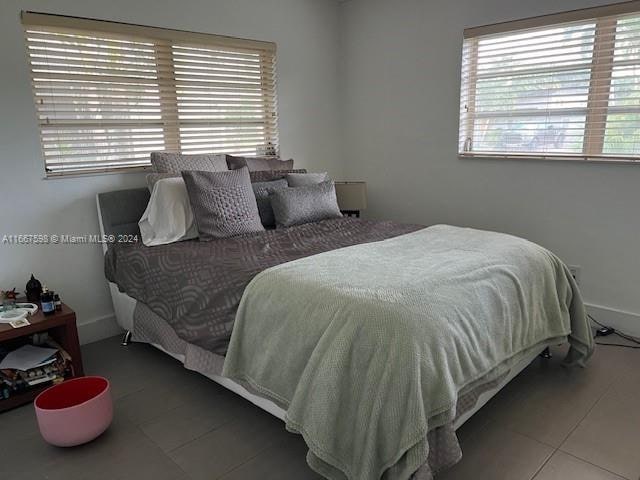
47,302
57,302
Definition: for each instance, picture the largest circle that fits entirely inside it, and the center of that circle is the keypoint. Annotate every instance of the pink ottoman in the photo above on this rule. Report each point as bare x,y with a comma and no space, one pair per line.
75,411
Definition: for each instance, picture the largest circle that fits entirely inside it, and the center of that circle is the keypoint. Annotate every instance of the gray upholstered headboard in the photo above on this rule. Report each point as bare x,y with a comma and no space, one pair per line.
121,210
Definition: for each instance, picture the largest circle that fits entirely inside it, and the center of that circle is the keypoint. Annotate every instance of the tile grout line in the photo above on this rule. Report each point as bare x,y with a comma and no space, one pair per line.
221,477
553,447
172,450
258,453
573,429
553,452
564,440
187,474
607,390
597,466
165,454
537,472
528,436
233,469
122,397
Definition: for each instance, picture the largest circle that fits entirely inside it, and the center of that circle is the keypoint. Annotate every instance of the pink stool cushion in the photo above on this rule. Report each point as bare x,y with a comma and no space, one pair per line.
75,411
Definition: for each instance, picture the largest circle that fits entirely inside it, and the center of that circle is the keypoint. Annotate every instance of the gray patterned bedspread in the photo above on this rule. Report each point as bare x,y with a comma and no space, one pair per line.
196,286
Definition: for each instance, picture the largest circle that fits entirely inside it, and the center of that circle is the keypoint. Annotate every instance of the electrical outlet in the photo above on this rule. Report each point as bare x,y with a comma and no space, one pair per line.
576,272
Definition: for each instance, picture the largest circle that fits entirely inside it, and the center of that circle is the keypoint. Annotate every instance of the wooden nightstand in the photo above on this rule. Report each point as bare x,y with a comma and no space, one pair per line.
61,326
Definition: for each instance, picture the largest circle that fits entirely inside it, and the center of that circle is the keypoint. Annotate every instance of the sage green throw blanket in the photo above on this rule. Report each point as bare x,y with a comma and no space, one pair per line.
367,347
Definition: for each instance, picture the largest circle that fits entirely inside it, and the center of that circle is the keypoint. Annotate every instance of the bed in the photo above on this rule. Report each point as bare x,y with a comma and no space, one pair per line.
211,305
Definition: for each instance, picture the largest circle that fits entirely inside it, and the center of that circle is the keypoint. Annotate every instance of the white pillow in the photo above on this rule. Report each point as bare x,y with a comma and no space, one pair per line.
168,217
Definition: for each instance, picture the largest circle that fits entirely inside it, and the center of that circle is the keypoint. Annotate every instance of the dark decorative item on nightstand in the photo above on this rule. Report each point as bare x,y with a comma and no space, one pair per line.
352,197
33,289
61,329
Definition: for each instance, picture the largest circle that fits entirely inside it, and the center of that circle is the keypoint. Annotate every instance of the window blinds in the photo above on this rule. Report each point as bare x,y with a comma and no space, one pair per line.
553,88
108,94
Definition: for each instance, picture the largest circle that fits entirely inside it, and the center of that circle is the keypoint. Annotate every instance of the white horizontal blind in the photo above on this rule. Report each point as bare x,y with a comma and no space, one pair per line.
107,94
226,100
97,100
622,133
564,90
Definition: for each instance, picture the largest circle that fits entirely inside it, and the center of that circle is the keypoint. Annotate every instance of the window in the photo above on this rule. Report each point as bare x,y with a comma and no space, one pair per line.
108,94
561,86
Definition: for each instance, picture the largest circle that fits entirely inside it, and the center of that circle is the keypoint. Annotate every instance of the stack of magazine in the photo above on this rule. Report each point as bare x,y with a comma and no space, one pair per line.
32,366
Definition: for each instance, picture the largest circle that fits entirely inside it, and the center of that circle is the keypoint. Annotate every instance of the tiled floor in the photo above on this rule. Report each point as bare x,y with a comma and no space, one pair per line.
548,424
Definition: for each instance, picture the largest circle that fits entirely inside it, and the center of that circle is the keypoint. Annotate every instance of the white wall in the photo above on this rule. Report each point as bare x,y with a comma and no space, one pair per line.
400,71
306,32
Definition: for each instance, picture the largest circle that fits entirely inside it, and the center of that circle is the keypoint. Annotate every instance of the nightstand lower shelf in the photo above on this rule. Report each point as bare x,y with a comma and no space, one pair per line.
61,327
19,399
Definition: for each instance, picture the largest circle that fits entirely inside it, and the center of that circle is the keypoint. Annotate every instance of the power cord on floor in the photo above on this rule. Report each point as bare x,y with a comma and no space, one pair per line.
604,344
617,333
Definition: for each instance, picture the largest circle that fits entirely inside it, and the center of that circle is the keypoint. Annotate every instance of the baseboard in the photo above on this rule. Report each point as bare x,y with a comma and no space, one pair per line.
627,322
98,329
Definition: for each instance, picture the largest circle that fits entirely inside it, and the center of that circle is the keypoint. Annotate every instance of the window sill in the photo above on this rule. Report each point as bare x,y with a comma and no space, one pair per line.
95,173
543,157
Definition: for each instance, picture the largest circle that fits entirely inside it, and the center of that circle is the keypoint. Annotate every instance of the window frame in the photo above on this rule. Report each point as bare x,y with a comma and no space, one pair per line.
165,42
600,71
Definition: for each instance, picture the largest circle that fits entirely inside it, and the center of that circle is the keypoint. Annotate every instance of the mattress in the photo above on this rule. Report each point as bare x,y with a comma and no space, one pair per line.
196,286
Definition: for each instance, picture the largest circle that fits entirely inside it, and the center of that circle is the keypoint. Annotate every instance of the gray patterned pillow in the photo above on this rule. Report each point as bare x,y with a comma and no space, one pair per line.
262,191
269,175
223,203
164,162
258,163
312,203
302,179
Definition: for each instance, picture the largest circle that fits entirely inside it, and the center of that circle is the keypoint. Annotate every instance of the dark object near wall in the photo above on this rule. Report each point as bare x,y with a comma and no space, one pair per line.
33,289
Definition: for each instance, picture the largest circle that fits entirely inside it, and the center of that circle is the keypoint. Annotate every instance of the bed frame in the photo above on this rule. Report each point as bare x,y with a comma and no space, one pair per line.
119,212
